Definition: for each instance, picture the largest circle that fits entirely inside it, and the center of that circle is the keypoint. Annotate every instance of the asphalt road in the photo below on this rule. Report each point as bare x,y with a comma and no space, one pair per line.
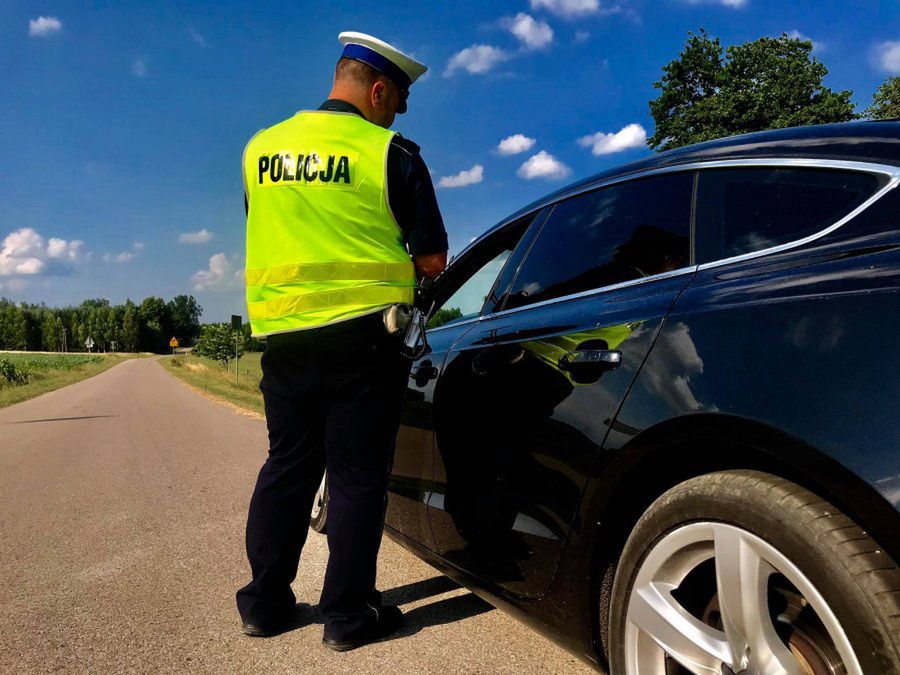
122,507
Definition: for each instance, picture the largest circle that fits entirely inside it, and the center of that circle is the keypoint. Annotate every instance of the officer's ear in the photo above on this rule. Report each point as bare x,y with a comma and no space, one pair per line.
379,94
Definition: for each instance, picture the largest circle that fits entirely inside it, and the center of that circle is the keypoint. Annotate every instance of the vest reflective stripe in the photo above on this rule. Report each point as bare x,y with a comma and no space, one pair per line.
358,295
362,271
322,243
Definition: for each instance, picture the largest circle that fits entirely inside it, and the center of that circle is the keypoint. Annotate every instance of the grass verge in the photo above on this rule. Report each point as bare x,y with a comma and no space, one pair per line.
35,374
209,376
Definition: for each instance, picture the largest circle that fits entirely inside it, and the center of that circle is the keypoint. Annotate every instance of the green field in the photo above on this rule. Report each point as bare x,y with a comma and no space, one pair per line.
33,374
210,376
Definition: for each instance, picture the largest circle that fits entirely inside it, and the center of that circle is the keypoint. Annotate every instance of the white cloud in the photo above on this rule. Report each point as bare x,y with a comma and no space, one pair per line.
888,56
123,257
197,36
513,145
476,60
200,237
567,8
139,67
630,136
138,246
543,165
797,35
581,36
26,252
532,33
463,178
727,3
44,26
221,273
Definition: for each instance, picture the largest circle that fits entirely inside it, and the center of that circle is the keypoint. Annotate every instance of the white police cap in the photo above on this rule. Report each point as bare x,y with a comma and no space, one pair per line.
402,69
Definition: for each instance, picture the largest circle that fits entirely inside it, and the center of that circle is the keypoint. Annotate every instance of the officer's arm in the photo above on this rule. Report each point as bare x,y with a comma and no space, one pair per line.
414,205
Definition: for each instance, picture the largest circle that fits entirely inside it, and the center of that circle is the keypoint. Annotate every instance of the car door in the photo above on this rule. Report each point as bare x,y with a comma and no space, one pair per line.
524,398
459,295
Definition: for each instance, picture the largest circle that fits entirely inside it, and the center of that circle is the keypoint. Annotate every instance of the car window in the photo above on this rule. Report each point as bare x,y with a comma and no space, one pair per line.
608,236
474,275
744,210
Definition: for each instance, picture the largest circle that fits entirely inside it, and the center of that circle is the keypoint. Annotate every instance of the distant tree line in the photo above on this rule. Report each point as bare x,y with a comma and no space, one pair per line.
128,327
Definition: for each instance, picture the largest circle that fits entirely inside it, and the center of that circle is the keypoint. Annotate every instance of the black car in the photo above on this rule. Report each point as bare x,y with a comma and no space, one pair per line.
660,421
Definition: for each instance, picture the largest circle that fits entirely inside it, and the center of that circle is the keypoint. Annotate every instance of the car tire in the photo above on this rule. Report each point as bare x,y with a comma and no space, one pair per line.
319,514
763,533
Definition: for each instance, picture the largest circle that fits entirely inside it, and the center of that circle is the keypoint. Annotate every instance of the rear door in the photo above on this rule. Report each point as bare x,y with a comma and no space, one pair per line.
525,398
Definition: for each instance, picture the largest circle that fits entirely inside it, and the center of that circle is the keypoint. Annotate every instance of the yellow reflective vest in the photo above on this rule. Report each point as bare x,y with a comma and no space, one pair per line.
322,243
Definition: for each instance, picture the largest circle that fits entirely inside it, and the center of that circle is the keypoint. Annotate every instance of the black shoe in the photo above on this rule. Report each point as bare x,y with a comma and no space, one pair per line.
273,627
387,620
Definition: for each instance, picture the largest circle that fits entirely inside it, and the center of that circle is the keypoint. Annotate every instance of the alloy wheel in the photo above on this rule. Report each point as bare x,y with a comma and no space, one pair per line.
714,599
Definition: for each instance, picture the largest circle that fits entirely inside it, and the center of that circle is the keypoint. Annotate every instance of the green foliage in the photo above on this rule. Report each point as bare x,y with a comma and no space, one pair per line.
885,101
768,83
125,327
11,374
185,315
13,326
219,342
443,315
131,333
156,325
251,344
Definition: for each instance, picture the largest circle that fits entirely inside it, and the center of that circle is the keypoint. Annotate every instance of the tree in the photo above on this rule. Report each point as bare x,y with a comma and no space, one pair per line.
251,344
13,326
444,315
885,100
130,332
156,325
50,336
769,83
218,342
185,313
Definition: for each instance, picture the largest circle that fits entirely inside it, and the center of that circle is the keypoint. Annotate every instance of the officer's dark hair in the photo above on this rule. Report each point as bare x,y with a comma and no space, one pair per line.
357,71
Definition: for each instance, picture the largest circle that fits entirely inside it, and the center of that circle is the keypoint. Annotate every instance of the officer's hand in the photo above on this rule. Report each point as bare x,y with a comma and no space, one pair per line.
430,265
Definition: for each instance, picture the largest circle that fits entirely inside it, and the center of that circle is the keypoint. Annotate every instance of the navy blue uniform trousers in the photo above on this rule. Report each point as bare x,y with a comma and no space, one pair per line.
332,399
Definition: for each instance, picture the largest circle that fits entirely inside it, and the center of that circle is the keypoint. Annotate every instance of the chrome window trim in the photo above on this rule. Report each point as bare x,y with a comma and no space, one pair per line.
596,291
458,323
891,172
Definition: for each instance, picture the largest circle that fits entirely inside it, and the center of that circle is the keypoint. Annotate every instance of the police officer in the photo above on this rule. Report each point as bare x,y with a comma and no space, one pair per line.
342,221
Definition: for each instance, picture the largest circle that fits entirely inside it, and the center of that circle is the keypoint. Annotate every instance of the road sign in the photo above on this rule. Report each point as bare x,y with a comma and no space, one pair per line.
236,321
89,343
173,342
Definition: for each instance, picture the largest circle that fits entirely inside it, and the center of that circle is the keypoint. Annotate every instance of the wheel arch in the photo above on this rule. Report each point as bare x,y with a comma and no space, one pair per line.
676,450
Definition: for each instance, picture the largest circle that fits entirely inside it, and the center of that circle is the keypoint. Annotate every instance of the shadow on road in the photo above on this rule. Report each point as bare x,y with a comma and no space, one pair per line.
444,611
419,590
61,419
436,613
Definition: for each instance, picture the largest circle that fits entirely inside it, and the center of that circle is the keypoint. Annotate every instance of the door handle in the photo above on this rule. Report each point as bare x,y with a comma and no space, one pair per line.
423,373
591,359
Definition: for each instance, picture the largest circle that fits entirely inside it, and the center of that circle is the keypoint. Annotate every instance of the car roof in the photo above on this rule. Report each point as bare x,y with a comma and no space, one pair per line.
875,142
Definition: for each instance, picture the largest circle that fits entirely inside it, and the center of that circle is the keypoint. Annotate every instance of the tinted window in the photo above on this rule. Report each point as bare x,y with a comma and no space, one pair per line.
609,236
530,225
745,210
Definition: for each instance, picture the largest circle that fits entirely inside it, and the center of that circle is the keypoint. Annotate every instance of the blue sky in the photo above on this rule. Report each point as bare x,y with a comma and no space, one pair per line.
123,123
